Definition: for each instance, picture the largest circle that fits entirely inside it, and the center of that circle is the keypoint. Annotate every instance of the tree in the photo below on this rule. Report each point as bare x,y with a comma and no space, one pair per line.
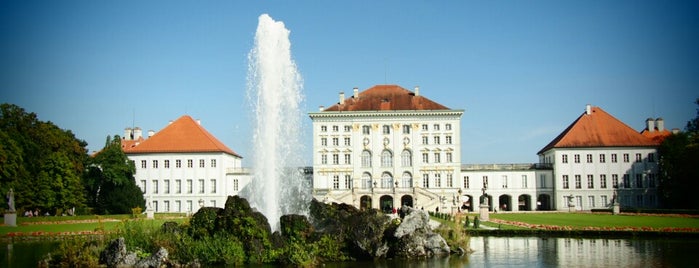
109,181
679,174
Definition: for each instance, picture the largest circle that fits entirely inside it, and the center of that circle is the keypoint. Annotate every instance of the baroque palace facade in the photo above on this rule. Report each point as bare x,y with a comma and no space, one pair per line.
388,146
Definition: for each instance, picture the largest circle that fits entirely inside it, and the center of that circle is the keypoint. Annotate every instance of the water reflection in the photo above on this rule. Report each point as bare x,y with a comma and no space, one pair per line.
572,252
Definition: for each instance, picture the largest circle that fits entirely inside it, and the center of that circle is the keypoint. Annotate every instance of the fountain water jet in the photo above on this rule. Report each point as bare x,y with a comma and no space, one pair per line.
274,92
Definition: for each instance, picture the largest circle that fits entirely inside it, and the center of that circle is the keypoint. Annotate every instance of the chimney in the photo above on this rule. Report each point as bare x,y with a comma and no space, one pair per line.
650,124
321,108
198,121
137,133
151,133
660,124
417,91
588,109
356,93
128,134
342,97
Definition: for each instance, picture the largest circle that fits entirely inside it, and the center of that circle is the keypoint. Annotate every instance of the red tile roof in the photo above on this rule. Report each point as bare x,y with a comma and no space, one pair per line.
386,97
658,136
598,129
184,135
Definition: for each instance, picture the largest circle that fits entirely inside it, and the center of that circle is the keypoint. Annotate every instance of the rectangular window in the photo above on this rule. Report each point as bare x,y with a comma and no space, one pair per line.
578,182
447,139
324,142
577,158
178,206
178,186
627,181
638,158
201,186
166,186
425,158
564,159
336,182
336,128
613,158
189,186
589,158
324,159
485,182
438,180
566,184
467,182
447,126
604,200
213,163
178,163
143,186
406,129
190,163
235,185
348,159
166,206
347,141
336,159
425,140
591,201
348,182
651,180
449,158
155,186
602,158
336,141
504,181
639,181
436,126
213,186
450,180
437,158
166,163
424,127
348,128
323,128
524,181
143,164
386,129
366,130
626,158
590,181
603,181
651,157
189,205
155,163
425,180
201,163
542,181
436,139
615,180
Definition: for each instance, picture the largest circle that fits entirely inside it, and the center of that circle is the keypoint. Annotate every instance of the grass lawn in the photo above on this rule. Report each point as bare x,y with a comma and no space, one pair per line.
580,220
74,224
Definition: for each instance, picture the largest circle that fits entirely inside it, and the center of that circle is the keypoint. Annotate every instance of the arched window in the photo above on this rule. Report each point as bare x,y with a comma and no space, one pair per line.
366,180
407,180
406,158
366,159
386,158
386,180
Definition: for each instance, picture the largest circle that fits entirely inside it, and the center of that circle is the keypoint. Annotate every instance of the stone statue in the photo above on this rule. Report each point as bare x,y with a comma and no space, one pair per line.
11,200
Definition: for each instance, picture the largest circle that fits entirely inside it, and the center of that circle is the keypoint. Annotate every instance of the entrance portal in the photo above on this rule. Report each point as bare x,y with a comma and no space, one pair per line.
406,200
386,203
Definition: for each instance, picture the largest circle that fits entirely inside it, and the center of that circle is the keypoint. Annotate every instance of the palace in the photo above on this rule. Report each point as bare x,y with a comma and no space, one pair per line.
388,146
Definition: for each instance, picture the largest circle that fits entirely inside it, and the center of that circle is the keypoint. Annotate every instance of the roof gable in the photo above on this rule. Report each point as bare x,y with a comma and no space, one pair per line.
598,129
386,97
184,135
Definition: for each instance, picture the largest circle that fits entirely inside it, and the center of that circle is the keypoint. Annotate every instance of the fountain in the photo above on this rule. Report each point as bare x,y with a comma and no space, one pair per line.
274,92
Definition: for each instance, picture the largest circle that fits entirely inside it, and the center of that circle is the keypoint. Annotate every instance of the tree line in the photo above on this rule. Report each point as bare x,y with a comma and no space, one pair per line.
50,171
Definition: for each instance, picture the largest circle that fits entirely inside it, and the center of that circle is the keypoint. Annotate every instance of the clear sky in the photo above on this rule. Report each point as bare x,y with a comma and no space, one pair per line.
521,70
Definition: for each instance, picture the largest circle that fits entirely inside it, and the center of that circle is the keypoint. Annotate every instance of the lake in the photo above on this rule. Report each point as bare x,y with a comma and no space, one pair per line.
491,252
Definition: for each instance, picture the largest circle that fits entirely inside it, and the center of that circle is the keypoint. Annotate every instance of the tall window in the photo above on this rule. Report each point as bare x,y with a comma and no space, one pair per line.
436,139
638,158
438,180
178,163
577,158
336,182
603,181
589,158
615,180
578,182
235,185
324,159
437,158
591,201
201,163
155,163
336,128
651,157
155,186
504,181
406,158
424,127
626,158
590,181
485,181
467,182
425,158
366,130
348,128
348,159
627,181
190,163
324,142
407,180
449,157
348,181
436,126
425,140
566,184
201,186
406,129
447,139
189,186
386,180
639,181
425,180
166,186
213,163
447,126
323,128
450,180
336,159
166,163
386,158
613,158
366,180
348,141
143,186
336,141
542,181
602,158
366,159
651,180
524,181
143,164
564,158
178,186
386,129
213,186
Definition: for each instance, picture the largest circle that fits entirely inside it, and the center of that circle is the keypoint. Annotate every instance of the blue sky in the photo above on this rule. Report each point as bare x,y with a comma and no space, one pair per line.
521,70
